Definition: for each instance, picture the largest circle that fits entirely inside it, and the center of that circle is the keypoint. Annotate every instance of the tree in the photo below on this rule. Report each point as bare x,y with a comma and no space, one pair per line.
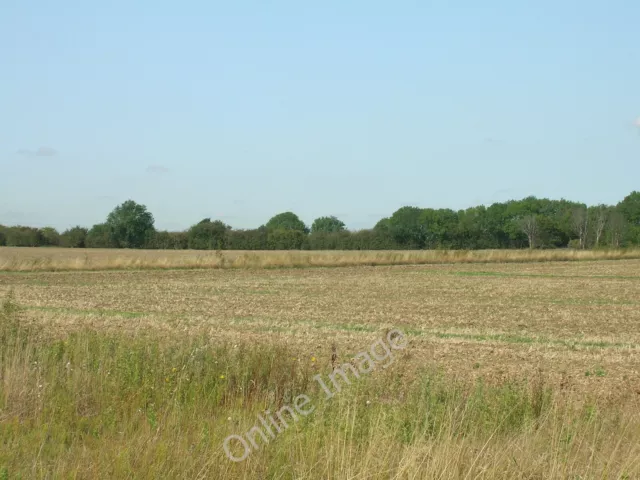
327,224
630,208
21,236
438,228
208,235
529,225
50,236
286,221
407,227
580,224
99,236
74,237
130,225
617,228
599,217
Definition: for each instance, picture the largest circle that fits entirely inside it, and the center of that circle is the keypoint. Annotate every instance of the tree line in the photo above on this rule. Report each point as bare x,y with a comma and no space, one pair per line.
531,222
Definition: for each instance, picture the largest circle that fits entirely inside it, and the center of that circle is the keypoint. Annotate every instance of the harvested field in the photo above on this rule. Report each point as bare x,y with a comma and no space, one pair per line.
573,326
510,319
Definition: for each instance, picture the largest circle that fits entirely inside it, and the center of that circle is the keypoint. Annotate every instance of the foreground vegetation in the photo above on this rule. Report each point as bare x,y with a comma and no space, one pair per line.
86,404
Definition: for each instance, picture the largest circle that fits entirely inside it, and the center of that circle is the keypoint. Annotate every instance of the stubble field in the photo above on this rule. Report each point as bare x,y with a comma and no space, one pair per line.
558,340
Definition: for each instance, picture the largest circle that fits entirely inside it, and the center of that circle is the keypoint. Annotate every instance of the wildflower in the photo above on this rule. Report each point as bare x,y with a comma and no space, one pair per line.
313,359
174,369
221,377
166,379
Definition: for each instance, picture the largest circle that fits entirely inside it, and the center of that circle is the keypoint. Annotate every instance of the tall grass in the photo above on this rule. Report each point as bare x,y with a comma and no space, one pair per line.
92,405
55,259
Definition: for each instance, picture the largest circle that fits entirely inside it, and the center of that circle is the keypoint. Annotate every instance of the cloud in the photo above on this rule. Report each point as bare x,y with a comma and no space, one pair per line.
157,169
46,152
40,152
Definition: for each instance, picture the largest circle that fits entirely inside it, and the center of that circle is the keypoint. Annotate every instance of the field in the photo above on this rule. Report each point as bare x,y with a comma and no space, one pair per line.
18,259
515,367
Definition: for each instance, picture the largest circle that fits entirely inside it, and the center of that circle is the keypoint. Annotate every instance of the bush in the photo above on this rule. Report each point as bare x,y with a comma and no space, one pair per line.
164,240
254,239
574,243
285,239
50,237
99,237
74,237
208,235
23,237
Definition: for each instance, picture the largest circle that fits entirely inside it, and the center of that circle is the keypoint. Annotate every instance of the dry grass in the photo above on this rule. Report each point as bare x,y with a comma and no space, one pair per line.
61,259
554,345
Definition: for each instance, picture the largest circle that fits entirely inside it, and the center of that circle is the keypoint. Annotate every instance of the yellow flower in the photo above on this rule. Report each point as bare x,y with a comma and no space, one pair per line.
166,379
222,377
174,369
313,359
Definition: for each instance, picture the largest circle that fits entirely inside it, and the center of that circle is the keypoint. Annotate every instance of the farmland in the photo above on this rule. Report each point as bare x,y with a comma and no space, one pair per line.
523,369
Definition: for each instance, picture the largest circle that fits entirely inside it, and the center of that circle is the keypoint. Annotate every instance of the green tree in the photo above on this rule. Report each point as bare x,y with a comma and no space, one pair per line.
327,224
407,227
286,221
130,225
630,208
438,227
74,237
99,236
50,236
208,235
21,236
598,219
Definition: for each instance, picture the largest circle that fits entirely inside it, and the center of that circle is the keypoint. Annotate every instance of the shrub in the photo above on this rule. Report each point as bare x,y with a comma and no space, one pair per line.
208,235
100,237
74,237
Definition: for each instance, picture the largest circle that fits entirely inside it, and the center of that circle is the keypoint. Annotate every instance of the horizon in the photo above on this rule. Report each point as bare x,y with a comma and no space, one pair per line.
308,223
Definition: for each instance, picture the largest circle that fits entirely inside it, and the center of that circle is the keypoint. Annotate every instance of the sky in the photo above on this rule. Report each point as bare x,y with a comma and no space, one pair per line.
241,110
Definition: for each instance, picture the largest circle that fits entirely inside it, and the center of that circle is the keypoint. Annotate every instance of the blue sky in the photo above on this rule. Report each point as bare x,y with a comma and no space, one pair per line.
241,110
